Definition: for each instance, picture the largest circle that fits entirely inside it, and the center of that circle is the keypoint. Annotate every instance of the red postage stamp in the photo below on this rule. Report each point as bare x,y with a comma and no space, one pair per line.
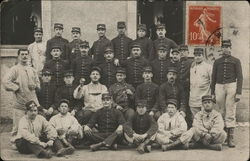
204,24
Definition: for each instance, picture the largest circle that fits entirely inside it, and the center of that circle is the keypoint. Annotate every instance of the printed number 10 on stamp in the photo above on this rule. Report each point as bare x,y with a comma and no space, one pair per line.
202,23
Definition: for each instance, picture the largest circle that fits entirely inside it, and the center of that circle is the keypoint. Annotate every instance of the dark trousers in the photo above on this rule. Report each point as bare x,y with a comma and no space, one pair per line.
108,138
83,116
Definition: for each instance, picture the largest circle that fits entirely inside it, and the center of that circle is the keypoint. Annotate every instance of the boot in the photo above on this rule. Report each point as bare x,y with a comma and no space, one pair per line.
95,147
65,151
217,147
231,138
193,145
45,154
171,145
142,146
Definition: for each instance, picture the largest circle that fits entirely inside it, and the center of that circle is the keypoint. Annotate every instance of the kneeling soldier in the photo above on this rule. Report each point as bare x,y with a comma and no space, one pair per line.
171,127
109,123
141,129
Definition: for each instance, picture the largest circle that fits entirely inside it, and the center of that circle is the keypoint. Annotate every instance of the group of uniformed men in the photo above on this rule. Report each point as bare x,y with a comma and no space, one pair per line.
130,92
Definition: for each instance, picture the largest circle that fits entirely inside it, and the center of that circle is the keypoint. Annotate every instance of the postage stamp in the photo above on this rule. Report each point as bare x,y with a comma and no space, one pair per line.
203,25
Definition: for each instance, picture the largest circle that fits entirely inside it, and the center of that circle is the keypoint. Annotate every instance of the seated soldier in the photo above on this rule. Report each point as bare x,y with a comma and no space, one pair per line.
141,129
207,127
68,128
109,123
171,126
30,136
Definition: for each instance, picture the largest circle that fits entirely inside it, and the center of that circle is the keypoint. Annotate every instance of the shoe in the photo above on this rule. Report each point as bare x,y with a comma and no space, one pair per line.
193,145
231,138
171,145
163,147
114,147
65,151
95,147
217,147
185,146
140,149
45,154
148,149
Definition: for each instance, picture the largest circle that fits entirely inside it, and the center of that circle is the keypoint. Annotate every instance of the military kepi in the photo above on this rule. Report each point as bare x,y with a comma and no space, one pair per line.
101,26
172,69
226,43
206,97
84,44
46,72
141,103
106,95
68,73
121,70
147,69
38,29
58,25
142,27
198,51
121,24
76,29
183,47
172,101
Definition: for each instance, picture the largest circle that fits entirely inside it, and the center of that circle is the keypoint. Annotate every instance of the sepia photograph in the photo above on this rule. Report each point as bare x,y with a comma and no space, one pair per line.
124,80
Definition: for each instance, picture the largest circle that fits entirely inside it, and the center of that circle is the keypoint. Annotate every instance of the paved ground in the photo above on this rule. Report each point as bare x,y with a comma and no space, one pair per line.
240,153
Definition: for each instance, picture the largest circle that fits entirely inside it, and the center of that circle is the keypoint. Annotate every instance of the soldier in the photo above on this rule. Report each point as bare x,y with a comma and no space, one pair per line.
46,96
145,42
141,129
174,61
207,127
171,127
109,123
172,90
170,44
123,94
150,92
98,47
134,66
56,65
92,95
83,64
108,68
37,50
160,65
59,41
227,86
74,45
23,81
200,80
121,43
36,135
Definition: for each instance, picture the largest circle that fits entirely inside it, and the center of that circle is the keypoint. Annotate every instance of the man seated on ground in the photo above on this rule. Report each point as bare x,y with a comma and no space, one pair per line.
171,127
31,135
68,128
141,129
109,122
207,127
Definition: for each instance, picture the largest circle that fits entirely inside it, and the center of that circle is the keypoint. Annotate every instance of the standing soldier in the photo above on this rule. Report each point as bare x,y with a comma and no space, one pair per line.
170,44
160,65
150,92
74,45
200,80
174,61
227,85
123,94
98,47
145,42
134,66
58,40
37,50
121,43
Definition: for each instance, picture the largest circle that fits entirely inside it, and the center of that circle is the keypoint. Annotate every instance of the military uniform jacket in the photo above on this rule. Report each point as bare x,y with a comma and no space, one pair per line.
149,92
184,75
121,45
134,69
146,46
172,91
170,44
160,68
46,95
57,67
57,41
107,120
141,124
74,50
98,48
81,68
227,69
211,122
108,74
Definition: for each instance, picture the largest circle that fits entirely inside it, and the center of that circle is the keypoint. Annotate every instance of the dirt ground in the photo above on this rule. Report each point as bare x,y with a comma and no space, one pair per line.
240,153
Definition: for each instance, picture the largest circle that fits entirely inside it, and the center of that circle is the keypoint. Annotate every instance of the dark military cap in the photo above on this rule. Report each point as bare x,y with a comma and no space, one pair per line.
38,29
175,50
101,26
198,51
207,97
147,69
106,95
68,73
142,27
108,48
141,103
30,104
172,101
64,101
76,29
58,25
136,45
172,69
226,43
121,70
46,72
95,68
84,44
161,46
121,24
183,47
56,46
160,26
